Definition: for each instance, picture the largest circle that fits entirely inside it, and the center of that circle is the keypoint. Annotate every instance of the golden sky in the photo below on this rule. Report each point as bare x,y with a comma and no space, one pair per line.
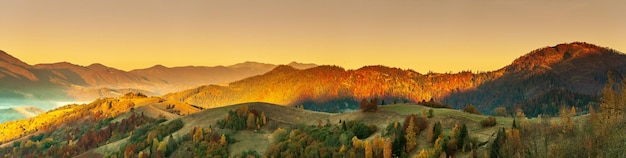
423,35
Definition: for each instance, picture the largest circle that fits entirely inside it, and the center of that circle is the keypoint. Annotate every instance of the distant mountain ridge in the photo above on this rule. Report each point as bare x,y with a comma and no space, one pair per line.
572,73
17,113
65,81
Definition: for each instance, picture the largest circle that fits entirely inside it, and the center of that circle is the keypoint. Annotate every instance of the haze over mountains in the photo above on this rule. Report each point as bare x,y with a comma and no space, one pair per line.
250,116
539,82
43,85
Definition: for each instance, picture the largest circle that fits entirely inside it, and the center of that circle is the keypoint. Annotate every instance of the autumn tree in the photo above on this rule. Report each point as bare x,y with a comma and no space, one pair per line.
411,136
593,121
223,141
368,150
609,98
142,155
500,111
434,132
566,121
441,144
243,118
263,119
356,142
387,150
197,134
471,109
251,121
513,143
426,154
129,150
162,147
488,122
369,106
460,136
378,144
609,102
155,145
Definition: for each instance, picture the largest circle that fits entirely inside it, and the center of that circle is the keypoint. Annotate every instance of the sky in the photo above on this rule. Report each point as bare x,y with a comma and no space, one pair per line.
423,35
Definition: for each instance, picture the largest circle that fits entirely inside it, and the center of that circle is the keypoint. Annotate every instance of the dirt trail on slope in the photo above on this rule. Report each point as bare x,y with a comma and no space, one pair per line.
152,111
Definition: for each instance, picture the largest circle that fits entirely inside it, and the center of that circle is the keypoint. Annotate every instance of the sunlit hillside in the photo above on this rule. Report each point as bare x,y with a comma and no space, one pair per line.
72,116
564,75
262,129
41,85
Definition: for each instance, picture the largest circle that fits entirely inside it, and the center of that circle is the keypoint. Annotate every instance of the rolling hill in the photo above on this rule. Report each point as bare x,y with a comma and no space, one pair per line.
75,123
74,114
193,122
574,69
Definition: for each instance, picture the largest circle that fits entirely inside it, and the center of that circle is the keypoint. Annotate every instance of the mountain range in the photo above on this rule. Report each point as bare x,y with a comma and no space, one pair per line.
44,84
541,81
208,120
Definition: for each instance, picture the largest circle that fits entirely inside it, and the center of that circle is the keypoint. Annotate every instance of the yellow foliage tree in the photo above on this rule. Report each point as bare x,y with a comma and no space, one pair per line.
197,134
151,135
411,137
513,142
609,103
387,150
263,119
142,155
368,150
223,141
379,149
566,121
395,125
242,111
155,144
356,143
521,117
426,153
162,147
500,111
251,121
342,149
440,144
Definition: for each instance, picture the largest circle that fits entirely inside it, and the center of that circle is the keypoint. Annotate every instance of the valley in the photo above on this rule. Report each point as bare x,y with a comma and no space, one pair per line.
541,105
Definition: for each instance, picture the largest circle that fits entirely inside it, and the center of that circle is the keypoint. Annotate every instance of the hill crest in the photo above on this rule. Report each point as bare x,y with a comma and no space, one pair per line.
575,69
545,58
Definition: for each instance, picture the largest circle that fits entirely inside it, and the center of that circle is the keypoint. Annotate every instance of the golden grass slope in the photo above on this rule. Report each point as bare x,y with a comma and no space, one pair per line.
100,108
286,117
